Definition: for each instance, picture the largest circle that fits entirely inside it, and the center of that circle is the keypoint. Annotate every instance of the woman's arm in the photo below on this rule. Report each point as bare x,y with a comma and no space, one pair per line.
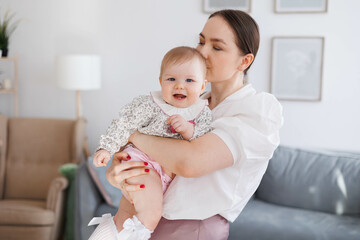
201,156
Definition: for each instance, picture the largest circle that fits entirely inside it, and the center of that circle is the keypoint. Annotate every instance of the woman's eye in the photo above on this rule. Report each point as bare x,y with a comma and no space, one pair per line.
200,43
189,80
171,79
217,49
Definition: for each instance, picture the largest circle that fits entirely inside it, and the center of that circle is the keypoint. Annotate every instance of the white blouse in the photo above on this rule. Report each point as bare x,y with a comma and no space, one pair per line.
248,122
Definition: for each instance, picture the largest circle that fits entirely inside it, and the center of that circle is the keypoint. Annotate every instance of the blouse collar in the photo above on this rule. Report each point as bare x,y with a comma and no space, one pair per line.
246,90
189,113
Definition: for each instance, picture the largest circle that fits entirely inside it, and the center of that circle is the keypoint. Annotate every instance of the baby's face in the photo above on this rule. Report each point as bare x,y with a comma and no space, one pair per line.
182,84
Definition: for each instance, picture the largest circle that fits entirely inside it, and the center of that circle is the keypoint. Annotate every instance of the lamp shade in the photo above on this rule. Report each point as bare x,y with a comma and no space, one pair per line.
78,72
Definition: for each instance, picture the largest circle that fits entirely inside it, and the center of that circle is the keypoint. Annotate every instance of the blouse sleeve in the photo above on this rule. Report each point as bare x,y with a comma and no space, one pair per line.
134,115
253,131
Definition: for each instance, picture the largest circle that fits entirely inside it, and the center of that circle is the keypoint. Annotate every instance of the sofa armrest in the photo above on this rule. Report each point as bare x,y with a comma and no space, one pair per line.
87,201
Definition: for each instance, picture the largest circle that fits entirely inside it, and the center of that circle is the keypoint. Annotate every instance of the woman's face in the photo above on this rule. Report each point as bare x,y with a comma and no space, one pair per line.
217,45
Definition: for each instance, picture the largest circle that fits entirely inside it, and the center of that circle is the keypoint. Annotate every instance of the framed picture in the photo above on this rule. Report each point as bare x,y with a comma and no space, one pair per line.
211,6
301,6
296,68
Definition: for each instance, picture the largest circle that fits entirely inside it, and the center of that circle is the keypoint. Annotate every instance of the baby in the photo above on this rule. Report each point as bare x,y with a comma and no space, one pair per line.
177,112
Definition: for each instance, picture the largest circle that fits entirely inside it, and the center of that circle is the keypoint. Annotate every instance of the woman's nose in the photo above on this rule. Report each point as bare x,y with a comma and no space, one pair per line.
203,51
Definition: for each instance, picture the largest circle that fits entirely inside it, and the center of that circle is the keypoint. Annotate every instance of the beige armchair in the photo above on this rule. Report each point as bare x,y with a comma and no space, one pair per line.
32,192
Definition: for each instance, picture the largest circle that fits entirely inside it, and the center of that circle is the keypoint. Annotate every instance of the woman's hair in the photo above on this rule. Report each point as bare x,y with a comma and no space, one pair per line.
245,28
180,55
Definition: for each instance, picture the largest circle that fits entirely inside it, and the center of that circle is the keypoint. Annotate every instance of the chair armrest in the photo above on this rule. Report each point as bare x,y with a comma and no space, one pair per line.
55,193
55,201
87,201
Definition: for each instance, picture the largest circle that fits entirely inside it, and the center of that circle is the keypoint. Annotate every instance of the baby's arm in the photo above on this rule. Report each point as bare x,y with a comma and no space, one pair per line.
135,114
180,125
101,158
202,123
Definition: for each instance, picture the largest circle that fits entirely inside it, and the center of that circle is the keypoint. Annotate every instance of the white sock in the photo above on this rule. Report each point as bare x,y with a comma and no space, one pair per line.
133,229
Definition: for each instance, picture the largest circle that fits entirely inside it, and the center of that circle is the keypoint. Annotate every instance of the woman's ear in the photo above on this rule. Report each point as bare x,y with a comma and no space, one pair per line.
160,80
246,61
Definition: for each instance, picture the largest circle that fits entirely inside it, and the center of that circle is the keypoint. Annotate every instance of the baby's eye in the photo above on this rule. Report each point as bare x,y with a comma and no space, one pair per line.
189,80
171,79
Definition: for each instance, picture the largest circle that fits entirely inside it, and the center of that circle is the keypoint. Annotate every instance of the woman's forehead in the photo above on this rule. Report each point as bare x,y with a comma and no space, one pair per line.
218,29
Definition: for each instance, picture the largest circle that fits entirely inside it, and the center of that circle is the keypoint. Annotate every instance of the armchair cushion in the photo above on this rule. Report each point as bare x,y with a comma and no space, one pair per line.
36,146
25,212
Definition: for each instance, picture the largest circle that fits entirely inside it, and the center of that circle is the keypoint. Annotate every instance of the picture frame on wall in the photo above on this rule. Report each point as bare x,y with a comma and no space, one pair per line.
296,68
301,6
211,6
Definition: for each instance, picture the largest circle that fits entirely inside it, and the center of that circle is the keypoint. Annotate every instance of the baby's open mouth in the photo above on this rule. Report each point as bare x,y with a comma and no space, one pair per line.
179,96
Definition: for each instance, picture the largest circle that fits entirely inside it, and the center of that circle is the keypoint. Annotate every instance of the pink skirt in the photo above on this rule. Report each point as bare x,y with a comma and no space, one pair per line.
213,228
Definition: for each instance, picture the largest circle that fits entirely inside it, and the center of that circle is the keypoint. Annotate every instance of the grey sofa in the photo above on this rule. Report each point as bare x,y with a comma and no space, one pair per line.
303,195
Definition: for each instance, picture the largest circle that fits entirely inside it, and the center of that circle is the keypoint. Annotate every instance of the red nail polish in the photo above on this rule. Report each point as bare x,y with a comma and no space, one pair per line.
145,163
142,186
147,170
128,157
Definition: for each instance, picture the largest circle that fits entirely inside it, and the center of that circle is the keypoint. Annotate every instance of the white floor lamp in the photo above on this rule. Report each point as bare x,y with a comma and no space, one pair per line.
78,72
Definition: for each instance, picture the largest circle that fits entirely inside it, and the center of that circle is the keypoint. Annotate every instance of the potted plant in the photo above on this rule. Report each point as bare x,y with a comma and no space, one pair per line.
7,27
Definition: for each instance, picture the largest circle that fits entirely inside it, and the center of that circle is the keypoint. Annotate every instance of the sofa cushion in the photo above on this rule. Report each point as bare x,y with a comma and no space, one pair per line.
318,181
25,212
111,194
262,221
105,208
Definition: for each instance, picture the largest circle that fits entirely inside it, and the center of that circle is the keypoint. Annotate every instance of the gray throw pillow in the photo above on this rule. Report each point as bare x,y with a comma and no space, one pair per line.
112,195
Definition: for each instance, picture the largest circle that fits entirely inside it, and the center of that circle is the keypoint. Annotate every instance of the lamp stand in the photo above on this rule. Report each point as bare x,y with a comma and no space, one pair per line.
78,105
78,116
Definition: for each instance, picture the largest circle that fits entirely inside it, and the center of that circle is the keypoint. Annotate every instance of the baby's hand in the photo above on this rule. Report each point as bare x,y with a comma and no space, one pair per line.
101,158
180,125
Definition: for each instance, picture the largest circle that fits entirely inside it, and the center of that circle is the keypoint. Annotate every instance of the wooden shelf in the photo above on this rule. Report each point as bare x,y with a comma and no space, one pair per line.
7,58
11,90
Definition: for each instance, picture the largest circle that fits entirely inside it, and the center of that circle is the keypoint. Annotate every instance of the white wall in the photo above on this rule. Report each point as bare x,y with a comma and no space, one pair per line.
132,37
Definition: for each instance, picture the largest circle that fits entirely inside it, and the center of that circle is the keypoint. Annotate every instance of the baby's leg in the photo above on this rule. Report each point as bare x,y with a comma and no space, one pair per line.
147,202
126,210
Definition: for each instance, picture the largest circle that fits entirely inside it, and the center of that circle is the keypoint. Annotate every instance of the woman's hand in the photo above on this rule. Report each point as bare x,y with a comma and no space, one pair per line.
120,170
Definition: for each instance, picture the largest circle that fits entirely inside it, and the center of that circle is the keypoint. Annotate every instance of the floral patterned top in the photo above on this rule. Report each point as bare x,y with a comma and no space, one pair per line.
148,114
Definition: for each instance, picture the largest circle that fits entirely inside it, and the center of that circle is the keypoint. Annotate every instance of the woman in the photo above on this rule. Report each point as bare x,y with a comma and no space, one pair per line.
218,172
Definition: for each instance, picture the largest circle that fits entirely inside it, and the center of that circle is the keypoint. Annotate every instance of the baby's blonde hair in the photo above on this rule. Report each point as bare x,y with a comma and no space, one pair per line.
180,55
